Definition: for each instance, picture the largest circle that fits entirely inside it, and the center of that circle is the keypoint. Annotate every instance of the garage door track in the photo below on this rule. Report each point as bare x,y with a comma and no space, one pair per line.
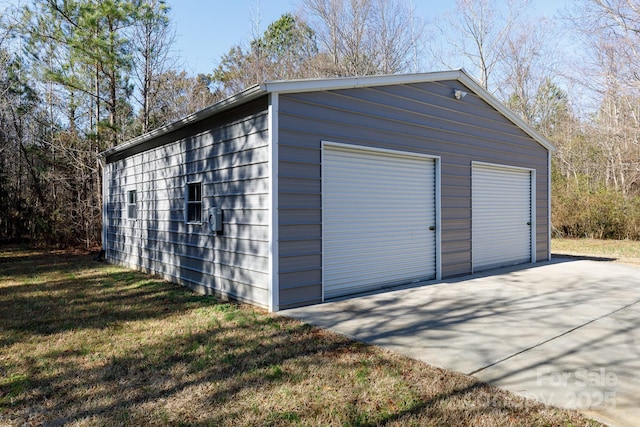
565,332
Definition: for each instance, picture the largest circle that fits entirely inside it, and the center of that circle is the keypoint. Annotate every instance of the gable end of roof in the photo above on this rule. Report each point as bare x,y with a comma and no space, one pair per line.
315,85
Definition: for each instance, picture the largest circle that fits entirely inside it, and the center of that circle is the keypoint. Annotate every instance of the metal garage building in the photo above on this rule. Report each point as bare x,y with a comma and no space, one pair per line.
293,192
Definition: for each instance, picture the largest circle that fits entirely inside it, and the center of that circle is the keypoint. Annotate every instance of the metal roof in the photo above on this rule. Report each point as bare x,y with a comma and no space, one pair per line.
315,85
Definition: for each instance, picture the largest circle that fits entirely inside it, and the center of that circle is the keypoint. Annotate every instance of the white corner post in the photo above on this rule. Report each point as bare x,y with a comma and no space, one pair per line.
102,161
548,205
274,288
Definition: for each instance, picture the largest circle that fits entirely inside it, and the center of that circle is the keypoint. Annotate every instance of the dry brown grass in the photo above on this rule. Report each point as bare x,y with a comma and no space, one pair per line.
84,343
622,251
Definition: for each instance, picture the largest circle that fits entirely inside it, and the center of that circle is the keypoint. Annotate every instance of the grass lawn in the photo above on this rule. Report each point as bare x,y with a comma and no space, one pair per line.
86,343
622,251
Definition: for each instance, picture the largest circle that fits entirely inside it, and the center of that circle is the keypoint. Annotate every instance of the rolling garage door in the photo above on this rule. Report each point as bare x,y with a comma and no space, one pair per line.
502,206
379,217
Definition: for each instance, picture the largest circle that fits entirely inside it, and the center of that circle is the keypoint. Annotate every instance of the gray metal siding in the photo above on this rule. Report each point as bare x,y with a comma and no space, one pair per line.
228,154
422,118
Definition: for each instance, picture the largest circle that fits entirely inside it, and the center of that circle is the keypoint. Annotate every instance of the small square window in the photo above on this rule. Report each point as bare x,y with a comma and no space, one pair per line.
132,204
194,202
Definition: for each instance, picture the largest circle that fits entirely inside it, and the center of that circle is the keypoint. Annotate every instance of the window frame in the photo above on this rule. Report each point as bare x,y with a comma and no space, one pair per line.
132,206
188,203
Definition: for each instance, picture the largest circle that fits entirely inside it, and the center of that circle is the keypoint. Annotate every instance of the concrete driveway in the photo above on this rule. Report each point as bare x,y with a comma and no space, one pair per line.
565,332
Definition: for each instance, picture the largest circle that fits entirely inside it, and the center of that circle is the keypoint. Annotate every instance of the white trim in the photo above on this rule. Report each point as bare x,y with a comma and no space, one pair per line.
238,99
103,165
376,149
315,85
127,203
472,84
534,216
125,209
399,153
534,197
274,245
186,202
549,206
500,166
532,201
438,207
322,207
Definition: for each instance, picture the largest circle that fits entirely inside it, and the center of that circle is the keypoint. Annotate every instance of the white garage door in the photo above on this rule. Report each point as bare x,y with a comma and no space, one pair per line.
379,217
501,216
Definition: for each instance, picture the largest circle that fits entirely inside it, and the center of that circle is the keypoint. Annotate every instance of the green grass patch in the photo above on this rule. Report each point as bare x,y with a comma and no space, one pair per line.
87,343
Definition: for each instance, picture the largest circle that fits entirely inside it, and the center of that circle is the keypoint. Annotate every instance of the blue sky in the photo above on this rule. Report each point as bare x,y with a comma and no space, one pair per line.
206,29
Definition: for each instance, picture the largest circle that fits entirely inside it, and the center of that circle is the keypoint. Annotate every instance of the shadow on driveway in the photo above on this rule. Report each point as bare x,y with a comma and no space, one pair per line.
564,332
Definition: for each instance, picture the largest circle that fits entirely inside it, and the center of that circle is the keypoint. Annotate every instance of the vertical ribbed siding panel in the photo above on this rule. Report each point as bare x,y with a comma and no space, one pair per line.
378,220
501,216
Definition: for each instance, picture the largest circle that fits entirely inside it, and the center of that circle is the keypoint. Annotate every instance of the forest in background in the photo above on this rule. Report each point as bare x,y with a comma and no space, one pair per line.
80,76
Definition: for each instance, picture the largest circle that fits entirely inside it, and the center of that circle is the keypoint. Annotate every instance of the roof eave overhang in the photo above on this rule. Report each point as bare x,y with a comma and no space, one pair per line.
245,96
472,84
314,85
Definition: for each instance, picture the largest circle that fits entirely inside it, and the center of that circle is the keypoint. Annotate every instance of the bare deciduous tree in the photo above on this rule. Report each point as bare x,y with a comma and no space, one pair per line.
610,30
478,31
527,67
363,37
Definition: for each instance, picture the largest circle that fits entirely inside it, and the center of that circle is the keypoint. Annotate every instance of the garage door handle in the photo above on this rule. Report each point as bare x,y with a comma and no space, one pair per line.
529,223
432,228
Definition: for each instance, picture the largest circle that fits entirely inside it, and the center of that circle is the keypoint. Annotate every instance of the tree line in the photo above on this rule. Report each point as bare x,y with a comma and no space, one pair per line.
80,76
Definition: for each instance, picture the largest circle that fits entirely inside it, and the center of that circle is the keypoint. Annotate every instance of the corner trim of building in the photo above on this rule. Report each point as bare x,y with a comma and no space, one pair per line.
548,205
274,252
103,165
